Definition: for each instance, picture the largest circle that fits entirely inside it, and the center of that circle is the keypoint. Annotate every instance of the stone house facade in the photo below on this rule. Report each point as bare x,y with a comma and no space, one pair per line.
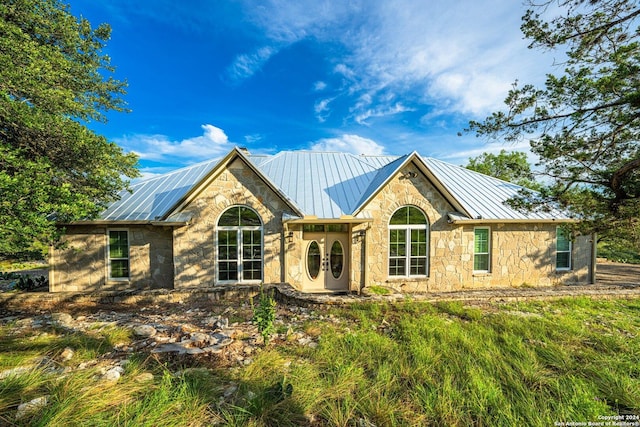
322,222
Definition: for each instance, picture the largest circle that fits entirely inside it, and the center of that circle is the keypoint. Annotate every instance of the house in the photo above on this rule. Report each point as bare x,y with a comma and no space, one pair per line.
320,222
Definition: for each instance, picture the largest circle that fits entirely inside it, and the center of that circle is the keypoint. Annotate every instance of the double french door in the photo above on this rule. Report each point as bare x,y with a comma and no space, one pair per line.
326,261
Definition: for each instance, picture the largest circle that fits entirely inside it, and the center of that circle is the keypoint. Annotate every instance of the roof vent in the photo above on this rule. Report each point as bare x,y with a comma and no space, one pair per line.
244,150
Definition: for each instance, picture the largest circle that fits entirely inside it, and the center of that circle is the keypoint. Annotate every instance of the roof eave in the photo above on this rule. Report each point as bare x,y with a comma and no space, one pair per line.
124,223
478,221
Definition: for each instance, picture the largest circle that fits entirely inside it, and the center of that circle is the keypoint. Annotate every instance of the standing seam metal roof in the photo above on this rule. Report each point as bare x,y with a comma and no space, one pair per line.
326,185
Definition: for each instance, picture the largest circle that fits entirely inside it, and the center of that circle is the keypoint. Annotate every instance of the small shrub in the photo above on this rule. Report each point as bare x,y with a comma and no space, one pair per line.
264,315
9,275
26,283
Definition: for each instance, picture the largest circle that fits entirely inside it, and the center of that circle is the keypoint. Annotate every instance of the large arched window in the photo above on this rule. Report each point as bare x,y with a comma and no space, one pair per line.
408,242
239,245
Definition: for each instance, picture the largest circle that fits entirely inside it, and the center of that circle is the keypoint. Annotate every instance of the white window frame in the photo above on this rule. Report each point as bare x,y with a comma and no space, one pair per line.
407,256
560,232
488,253
240,259
110,259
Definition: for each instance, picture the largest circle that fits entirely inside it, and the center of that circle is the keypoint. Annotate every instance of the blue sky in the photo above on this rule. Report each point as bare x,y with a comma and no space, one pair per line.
372,77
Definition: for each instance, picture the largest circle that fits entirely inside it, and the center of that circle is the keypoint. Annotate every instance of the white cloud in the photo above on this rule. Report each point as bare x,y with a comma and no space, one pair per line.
398,108
321,109
246,65
319,86
213,142
349,143
423,53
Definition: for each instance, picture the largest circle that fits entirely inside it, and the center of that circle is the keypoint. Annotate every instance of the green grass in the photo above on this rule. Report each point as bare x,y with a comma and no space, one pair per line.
386,364
617,251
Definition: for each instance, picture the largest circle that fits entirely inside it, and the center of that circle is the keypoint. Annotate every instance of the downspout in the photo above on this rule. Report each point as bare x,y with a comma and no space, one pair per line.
594,258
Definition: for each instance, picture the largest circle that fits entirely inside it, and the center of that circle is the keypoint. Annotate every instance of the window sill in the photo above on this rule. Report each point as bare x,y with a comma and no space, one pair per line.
481,274
406,278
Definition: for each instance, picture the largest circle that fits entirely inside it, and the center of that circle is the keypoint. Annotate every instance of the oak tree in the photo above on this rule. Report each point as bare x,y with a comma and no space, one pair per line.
54,81
508,166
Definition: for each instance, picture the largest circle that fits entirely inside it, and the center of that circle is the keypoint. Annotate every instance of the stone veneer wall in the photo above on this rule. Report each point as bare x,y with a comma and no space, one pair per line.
81,265
522,254
194,245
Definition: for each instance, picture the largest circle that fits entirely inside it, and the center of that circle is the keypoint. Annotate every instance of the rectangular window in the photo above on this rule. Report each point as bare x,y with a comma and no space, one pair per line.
481,249
563,249
118,254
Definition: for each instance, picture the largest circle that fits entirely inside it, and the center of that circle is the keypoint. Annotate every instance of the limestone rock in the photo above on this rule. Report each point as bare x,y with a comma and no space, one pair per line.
144,331
28,408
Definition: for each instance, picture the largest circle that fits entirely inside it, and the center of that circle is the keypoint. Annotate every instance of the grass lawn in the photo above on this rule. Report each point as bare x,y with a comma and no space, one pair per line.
534,364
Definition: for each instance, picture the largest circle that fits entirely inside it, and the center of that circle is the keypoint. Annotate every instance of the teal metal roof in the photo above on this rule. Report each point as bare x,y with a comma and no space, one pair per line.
326,185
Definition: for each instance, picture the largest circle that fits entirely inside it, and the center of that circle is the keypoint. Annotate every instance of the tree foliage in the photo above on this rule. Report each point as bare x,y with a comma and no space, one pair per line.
54,80
508,166
584,123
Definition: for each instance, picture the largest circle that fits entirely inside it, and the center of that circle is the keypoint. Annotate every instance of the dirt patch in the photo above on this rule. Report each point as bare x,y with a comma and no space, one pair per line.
614,273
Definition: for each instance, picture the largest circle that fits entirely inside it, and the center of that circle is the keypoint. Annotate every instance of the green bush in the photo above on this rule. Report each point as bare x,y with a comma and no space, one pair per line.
264,315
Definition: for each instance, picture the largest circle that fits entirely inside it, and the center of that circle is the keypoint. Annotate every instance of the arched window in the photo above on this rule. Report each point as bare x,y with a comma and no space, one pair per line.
239,242
408,243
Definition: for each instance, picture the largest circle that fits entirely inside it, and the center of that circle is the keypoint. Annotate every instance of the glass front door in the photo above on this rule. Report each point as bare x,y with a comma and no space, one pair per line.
326,261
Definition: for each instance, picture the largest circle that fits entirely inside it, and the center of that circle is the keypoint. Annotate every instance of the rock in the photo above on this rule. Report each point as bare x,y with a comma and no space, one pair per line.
67,354
28,408
230,390
20,370
144,377
62,319
113,374
199,337
217,322
144,331
170,348
214,349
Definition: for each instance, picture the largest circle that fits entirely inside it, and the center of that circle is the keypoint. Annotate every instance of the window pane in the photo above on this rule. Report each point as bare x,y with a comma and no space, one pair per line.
408,215
563,259
313,228
563,241
397,267
418,242
415,216
120,268
248,218
252,270
227,270
400,217
481,240
419,266
336,259
227,245
230,218
118,244
251,244
481,262
313,260
397,243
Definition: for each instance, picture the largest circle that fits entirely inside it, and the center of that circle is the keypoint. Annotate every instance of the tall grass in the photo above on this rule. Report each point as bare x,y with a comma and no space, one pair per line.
402,364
